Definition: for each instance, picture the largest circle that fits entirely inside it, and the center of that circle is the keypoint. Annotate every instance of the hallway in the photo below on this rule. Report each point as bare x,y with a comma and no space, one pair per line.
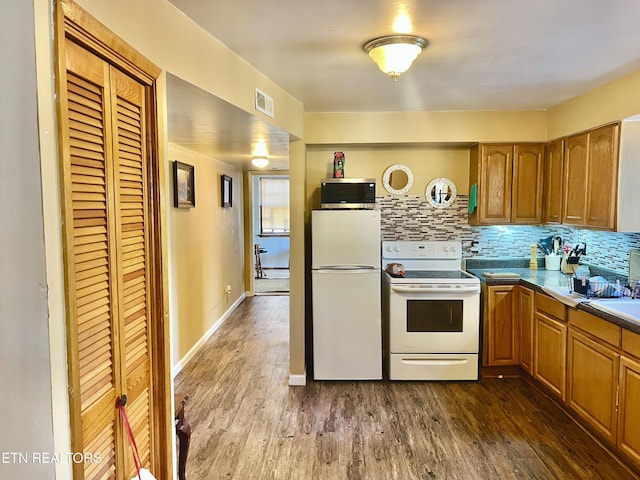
248,423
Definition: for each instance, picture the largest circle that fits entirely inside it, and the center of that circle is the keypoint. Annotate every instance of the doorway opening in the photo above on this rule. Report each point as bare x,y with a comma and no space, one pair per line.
271,229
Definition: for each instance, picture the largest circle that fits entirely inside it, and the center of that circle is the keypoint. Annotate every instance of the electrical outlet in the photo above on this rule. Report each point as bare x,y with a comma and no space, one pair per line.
227,289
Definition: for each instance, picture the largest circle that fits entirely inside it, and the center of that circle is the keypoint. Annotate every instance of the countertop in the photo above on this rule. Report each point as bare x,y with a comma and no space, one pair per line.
545,281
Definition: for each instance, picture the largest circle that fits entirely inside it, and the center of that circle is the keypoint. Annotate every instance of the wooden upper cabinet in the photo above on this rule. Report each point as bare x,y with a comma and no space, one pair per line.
591,178
553,176
494,184
509,183
575,176
602,177
526,194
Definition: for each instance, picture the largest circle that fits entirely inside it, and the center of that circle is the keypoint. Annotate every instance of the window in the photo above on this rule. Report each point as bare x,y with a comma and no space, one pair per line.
274,206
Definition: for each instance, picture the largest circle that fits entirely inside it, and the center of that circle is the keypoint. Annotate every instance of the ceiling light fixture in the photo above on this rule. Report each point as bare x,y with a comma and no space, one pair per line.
260,162
394,54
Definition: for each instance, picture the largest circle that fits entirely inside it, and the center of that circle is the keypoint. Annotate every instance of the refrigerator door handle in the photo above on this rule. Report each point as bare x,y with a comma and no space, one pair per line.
343,268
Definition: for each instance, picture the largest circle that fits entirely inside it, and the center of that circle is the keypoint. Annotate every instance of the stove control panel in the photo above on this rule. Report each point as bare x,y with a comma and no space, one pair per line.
409,249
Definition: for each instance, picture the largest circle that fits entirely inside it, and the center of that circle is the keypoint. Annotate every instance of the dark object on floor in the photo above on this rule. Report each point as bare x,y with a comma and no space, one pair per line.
257,251
183,431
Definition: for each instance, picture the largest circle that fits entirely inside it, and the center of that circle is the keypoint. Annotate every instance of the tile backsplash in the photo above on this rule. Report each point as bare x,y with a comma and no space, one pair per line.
411,217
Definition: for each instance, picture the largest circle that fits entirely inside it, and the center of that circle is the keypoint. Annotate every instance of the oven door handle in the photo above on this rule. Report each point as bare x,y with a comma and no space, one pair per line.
426,288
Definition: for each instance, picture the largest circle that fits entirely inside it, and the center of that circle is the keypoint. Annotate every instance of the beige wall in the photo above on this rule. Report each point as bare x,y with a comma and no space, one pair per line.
614,101
177,44
370,161
297,195
206,252
424,127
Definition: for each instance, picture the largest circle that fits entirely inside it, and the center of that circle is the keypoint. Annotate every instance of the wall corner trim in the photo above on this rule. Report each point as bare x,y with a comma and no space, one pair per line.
298,380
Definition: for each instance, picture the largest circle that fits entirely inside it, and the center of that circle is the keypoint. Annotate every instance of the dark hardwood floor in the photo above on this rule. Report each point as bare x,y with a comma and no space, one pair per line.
249,424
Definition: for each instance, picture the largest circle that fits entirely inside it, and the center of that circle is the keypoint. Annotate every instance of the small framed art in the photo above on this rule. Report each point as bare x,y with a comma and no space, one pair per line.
184,185
226,190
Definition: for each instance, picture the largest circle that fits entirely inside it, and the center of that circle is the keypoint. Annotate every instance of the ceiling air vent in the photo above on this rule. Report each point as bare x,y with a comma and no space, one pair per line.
264,103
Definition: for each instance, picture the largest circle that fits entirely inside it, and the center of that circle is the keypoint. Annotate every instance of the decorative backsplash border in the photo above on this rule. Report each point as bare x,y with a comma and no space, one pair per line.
410,217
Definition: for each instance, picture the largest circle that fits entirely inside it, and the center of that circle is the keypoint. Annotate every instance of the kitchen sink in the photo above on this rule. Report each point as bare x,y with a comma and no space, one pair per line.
623,307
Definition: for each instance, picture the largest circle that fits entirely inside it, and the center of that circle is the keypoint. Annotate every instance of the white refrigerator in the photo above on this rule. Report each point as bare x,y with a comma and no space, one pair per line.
345,275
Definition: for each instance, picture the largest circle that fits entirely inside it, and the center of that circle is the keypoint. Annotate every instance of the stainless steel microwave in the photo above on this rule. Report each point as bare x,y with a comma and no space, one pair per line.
348,193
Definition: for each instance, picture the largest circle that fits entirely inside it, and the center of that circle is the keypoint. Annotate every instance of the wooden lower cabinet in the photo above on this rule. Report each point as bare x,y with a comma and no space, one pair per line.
550,343
592,382
526,313
501,337
628,411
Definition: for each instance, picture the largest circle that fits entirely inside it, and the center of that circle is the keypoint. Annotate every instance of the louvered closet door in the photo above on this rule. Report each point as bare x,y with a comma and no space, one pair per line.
133,279
106,237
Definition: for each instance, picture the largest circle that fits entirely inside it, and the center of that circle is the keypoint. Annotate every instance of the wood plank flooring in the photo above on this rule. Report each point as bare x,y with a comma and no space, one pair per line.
249,424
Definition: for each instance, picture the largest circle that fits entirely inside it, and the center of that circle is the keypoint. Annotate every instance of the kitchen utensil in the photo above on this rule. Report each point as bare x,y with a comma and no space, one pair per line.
547,245
575,251
556,245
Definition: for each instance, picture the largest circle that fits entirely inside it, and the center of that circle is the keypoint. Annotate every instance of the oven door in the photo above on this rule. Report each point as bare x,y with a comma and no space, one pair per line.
434,319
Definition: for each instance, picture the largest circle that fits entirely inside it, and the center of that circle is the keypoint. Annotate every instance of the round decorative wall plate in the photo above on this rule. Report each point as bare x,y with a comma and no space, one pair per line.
440,192
397,179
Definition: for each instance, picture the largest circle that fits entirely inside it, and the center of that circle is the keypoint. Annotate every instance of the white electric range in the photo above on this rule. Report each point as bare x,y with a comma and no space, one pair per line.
431,314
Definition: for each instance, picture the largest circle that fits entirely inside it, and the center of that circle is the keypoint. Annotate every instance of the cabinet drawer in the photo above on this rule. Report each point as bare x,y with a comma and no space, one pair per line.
550,306
597,327
631,342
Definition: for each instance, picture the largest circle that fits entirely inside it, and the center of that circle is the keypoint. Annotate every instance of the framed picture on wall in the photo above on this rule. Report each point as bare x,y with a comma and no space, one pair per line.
184,185
226,190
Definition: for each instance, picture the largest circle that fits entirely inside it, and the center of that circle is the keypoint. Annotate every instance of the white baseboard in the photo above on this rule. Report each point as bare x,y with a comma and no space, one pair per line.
198,345
298,380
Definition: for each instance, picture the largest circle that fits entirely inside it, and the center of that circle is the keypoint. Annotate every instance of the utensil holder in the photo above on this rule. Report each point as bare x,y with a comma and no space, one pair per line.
552,262
568,266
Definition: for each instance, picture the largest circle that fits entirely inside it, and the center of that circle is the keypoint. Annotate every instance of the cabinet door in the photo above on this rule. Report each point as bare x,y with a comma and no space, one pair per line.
549,362
501,325
575,179
602,178
628,411
526,315
526,202
592,382
553,186
494,184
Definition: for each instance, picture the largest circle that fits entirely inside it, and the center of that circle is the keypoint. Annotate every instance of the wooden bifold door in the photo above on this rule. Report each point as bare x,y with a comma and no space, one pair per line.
105,115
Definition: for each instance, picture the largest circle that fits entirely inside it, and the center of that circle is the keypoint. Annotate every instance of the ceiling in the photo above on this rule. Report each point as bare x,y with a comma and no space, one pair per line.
212,127
482,55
